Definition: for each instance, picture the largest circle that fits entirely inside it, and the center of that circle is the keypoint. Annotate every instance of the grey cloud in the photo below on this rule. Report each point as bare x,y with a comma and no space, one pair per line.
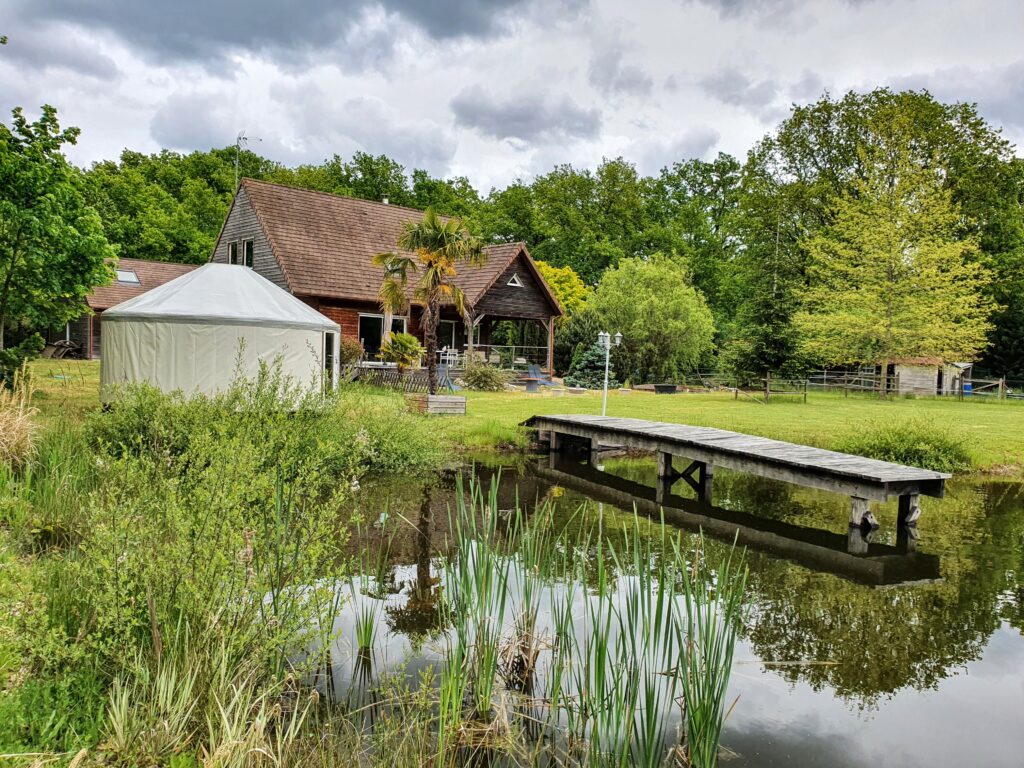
524,119
998,91
205,31
57,47
654,154
774,8
611,75
368,124
191,121
731,86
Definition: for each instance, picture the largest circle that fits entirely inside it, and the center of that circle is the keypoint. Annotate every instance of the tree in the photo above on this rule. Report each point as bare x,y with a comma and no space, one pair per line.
438,248
569,289
793,177
52,248
666,325
891,277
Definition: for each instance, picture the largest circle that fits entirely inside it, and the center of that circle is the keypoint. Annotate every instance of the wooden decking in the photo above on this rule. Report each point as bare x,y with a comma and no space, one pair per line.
862,479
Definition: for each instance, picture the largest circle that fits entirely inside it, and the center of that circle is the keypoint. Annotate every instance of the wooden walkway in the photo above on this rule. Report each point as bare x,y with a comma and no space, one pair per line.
863,480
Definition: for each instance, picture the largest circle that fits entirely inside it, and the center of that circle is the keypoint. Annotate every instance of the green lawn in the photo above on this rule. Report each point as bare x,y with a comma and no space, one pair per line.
994,431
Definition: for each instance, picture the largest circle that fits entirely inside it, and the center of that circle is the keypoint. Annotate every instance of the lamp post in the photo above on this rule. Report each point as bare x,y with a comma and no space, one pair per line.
605,340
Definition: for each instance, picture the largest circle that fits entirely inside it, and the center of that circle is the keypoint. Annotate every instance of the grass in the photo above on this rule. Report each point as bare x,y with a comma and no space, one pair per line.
990,430
68,389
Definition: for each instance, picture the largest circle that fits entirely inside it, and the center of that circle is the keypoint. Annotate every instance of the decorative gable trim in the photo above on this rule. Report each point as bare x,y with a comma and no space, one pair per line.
514,281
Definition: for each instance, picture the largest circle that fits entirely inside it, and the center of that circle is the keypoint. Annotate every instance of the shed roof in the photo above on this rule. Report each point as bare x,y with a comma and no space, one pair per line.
325,243
221,294
150,274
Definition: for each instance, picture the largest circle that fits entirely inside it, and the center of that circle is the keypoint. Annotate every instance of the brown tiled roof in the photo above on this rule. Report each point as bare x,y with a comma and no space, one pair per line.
150,274
926,361
325,243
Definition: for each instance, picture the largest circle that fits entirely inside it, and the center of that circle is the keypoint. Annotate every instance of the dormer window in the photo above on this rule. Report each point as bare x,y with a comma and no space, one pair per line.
241,252
515,282
127,277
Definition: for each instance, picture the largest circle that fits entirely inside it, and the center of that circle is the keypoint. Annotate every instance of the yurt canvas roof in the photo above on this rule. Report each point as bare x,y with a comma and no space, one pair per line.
221,294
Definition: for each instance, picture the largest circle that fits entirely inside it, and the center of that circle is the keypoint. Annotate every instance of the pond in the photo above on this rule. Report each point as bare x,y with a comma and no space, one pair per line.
894,650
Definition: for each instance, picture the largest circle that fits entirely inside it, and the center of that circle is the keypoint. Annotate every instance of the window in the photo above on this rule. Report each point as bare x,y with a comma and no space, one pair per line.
371,331
329,361
127,277
232,253
515,282
247,252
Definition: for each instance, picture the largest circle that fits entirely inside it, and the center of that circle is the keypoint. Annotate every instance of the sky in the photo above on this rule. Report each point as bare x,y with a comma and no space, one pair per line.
494,90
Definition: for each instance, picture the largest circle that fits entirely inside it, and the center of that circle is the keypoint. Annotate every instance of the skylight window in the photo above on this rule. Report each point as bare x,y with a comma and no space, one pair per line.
128,277
515,282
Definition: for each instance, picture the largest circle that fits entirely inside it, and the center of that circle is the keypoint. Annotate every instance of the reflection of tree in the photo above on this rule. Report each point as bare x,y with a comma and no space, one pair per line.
421,616
878,641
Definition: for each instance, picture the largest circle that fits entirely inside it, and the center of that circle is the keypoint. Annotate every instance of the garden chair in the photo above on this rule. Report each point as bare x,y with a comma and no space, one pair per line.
533,371
444,379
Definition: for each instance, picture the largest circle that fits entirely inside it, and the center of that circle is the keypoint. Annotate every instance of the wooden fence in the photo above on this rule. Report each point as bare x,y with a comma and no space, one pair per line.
391,378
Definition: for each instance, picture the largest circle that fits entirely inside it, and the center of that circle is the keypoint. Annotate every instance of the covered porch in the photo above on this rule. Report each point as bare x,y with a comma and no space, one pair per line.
513,343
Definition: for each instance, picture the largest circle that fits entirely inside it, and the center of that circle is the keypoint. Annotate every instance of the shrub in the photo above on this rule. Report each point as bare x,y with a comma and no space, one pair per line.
587,369
486,378
14,358
17,428
917,443
403,349
351,352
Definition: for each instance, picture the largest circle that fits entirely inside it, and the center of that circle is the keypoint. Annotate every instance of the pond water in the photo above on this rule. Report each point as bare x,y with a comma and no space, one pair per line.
898,650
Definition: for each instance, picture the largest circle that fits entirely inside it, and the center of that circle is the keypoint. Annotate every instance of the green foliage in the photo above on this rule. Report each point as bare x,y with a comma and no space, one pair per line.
917,443
52,247
440,247
13,358
485,378
404,349
351,351
889,276
567,286
587,368
666,325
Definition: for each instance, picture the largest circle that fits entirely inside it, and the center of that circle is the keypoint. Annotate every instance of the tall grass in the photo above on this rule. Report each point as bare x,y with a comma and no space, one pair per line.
17,426
915,442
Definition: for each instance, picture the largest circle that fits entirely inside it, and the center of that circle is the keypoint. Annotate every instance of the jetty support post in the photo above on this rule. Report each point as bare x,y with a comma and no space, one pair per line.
594,453
909,509
860,513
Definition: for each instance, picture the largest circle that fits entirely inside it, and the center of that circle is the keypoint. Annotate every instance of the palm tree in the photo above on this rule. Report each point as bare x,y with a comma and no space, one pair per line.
437,247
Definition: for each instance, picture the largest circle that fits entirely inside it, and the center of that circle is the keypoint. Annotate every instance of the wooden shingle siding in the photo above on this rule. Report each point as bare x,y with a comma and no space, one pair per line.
509,301
242,224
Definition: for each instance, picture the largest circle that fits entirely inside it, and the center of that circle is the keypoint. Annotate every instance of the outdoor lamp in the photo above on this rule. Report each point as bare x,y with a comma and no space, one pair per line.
605,340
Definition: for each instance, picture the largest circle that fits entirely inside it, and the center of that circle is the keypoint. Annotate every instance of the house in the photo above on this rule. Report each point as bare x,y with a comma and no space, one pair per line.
929,375
320,248
134,277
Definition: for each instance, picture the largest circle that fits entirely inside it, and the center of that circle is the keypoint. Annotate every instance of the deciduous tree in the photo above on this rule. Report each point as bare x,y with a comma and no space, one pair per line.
52,248
891,277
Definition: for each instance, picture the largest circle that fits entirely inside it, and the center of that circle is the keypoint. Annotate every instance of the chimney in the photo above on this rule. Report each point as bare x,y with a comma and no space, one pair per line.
384,200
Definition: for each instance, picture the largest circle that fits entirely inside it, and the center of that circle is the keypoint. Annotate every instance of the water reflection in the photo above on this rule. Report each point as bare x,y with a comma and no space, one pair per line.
834,671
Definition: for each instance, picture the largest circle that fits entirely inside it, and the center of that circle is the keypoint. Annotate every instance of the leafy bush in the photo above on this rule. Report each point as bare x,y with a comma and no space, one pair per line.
916,443
14,358
486,378
403,349
587,369
351,352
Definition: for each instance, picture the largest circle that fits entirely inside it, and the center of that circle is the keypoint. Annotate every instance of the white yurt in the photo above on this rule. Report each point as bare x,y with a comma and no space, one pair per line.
186,334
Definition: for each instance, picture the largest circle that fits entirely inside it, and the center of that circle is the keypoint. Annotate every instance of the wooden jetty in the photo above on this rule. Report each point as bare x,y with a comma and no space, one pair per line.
853,556
863,480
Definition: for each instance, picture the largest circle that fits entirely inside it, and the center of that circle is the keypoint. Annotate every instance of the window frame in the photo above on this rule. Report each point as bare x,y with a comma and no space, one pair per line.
233,252
516,281
248,253
134,280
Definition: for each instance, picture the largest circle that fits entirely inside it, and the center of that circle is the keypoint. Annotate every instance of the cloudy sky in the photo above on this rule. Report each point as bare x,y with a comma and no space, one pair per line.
490,89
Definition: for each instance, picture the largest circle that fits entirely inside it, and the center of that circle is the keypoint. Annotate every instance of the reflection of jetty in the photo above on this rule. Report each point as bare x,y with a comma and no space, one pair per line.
863,480
852,557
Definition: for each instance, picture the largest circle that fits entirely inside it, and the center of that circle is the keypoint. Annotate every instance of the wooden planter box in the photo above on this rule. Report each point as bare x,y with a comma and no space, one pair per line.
454,405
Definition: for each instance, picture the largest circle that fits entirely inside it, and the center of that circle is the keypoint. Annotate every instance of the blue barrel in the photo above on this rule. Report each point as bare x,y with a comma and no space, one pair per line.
968,388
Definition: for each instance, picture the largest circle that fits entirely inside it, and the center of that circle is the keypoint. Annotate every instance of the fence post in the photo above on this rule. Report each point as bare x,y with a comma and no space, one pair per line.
768,386
1002,388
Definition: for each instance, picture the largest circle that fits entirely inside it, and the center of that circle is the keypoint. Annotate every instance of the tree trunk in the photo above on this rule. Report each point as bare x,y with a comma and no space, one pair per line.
883,383
430,313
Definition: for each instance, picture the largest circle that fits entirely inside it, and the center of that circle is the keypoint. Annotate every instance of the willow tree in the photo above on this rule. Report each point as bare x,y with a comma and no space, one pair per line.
890,277
424,272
